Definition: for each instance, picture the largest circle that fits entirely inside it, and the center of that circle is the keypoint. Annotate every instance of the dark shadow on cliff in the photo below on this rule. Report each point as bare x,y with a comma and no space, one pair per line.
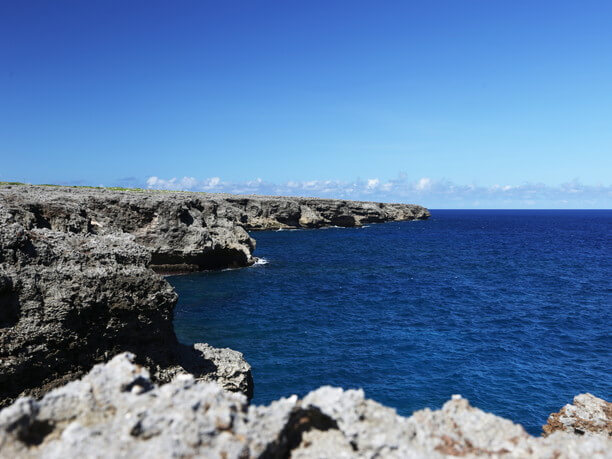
300,422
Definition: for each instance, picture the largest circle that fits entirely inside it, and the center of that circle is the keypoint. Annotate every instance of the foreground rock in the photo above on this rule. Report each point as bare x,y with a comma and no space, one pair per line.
588,415
116,411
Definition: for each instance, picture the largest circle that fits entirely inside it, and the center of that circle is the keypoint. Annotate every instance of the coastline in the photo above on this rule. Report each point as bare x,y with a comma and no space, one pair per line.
80,273
95,255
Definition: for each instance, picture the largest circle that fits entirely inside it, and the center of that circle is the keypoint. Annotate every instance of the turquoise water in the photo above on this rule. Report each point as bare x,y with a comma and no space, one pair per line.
511,309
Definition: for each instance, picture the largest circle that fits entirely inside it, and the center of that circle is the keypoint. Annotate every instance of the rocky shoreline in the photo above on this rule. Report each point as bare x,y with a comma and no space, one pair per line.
79,272
80,284
117,411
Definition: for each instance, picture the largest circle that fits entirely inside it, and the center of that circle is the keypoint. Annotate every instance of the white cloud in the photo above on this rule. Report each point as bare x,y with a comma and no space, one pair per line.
423,184
185,183
372,183
427,191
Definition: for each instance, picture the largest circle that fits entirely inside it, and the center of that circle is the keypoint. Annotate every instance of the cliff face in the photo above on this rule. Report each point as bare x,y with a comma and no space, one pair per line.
77,285
187,231
262,213
69,300
77,288
116,411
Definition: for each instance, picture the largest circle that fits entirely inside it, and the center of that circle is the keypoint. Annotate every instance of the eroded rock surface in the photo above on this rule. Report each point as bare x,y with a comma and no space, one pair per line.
180,232
117,411
232,371
69,300
187,231
77,283
588,415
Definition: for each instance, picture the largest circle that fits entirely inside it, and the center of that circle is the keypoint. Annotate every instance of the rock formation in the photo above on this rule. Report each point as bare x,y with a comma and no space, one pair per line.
187,231
76,285
69,300
117,411
588,415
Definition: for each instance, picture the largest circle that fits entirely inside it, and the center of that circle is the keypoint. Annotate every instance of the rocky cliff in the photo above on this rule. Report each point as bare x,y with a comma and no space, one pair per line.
77,285
187,231
69,300
117,411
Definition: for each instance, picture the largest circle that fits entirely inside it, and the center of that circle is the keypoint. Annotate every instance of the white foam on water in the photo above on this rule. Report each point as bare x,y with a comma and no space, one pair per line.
260,261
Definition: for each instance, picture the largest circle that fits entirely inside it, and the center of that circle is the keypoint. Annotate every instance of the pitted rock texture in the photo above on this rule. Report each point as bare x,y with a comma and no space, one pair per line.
267,212
181,232
588,415
117,411
187,231
76,284
69,300
232,371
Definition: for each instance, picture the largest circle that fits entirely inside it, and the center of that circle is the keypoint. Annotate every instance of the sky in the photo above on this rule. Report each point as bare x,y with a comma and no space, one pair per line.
449,104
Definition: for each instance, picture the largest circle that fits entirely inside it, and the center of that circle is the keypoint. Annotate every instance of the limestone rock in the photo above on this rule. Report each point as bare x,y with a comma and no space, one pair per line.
588,415
232,371
117,411
181,233
70,300
76,279
187,231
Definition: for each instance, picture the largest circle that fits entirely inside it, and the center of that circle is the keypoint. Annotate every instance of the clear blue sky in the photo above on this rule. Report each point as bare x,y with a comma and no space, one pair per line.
456,93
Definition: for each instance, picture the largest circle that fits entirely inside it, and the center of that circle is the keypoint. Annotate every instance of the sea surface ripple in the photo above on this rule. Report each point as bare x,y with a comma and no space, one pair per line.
511,309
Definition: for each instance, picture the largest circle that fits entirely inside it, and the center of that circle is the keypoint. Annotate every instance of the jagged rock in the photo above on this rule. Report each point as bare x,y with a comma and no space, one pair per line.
588,415
187,231
267,212
117,411
69,300
232,371
181,232
76,284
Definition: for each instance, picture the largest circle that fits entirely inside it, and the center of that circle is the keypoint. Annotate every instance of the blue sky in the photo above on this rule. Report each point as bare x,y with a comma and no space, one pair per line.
446,103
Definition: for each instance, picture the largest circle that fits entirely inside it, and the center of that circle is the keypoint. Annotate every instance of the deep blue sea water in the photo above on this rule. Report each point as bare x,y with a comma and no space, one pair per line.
511,309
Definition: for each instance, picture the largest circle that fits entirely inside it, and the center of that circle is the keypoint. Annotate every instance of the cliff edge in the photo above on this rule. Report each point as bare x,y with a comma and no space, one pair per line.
187,231
78,287
77,280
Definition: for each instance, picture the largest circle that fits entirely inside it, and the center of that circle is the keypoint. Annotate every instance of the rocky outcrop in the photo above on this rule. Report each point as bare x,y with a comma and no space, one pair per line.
231,372
588,415
180,232
69,300
187,231
117,411
77,284
264,213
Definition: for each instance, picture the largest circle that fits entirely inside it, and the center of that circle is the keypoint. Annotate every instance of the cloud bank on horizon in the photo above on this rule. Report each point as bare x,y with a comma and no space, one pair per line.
426,191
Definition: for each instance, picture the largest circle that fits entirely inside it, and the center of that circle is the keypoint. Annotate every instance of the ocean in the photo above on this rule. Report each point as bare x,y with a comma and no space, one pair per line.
509,308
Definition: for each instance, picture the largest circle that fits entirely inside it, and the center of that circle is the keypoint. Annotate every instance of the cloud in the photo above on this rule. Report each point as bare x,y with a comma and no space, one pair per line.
423,184
424,190
372,184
